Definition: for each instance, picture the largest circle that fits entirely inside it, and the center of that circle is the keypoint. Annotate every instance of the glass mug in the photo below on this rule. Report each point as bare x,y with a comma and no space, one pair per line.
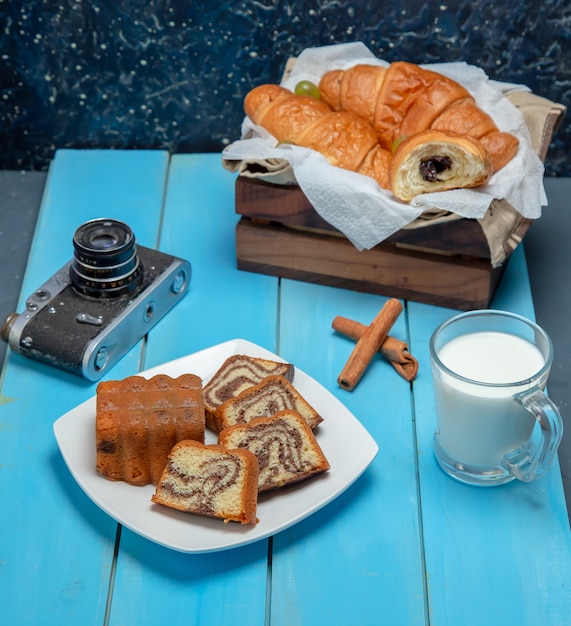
494,421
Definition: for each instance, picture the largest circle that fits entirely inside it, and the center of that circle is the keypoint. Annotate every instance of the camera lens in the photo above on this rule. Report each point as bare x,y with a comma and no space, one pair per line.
105,262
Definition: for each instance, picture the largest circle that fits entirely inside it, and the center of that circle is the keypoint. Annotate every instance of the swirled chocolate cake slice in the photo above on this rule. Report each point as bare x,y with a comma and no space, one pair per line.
210,480
272,394
138,421
238,372
286,448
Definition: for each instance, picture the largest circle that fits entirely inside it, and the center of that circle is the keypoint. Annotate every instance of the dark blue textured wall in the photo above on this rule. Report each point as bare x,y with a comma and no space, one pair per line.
173,74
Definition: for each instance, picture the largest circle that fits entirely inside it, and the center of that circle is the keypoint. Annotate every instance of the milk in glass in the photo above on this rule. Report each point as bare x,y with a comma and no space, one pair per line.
479,423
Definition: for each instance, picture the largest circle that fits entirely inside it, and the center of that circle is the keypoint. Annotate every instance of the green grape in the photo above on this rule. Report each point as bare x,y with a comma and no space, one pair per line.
307,88
397,142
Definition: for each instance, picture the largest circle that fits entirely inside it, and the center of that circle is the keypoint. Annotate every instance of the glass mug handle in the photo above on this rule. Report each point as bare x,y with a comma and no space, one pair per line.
533,460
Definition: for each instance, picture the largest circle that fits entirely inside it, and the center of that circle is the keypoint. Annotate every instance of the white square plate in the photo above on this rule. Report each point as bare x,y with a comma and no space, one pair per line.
347,445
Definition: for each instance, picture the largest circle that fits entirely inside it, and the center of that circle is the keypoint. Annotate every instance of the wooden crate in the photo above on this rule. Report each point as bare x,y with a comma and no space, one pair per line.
447,264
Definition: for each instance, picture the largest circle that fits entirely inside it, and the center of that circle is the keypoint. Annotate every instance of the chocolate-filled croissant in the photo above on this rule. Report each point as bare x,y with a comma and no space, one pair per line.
345,139
465,117
433,161
404,99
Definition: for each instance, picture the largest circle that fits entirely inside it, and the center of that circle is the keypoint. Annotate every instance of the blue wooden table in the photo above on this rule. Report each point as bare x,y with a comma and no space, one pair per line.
404,546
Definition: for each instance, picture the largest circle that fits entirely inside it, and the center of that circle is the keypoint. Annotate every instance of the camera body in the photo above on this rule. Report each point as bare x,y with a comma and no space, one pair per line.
95,308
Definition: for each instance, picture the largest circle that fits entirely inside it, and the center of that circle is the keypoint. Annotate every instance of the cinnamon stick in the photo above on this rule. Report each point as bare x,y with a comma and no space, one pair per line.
394,350
370,341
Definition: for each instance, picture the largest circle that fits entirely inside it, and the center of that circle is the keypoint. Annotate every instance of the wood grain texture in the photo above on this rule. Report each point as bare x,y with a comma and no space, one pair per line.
287,204
56,545
359,560
384,270
405,545
493,555
222,304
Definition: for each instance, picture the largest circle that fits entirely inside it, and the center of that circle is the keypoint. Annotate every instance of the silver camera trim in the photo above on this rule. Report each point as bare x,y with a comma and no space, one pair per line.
141,314
124,331
36,302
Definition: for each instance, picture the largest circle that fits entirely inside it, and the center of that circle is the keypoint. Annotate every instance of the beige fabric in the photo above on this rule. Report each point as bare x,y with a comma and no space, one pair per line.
542,117
275,171
502,225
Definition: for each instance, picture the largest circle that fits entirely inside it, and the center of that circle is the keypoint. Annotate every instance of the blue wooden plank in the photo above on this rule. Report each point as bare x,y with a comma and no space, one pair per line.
498,555
222,304
56,546
359,560
155,585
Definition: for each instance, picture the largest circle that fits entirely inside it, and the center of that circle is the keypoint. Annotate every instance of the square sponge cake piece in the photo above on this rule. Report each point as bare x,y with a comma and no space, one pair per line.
210,480
139,420
284,444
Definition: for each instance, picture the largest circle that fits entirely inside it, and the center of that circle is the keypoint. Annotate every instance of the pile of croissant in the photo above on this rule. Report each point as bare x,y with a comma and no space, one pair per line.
411,129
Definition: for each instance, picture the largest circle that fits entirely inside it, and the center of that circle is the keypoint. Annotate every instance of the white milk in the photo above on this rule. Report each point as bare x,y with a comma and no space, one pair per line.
479,424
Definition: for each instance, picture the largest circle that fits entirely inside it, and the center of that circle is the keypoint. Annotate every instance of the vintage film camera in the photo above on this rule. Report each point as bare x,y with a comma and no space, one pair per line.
91,312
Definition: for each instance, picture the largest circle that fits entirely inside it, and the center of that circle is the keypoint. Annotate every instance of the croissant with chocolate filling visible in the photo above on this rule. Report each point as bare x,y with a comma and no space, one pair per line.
404,99
433,160
345,139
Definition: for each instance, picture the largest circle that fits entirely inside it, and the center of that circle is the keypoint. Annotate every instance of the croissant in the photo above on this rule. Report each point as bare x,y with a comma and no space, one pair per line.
466,118
355,90
405,99
502,147
433,160
345,139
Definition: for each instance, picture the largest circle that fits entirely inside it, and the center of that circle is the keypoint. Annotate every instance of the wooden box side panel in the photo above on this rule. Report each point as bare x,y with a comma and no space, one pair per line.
387,270
288,205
